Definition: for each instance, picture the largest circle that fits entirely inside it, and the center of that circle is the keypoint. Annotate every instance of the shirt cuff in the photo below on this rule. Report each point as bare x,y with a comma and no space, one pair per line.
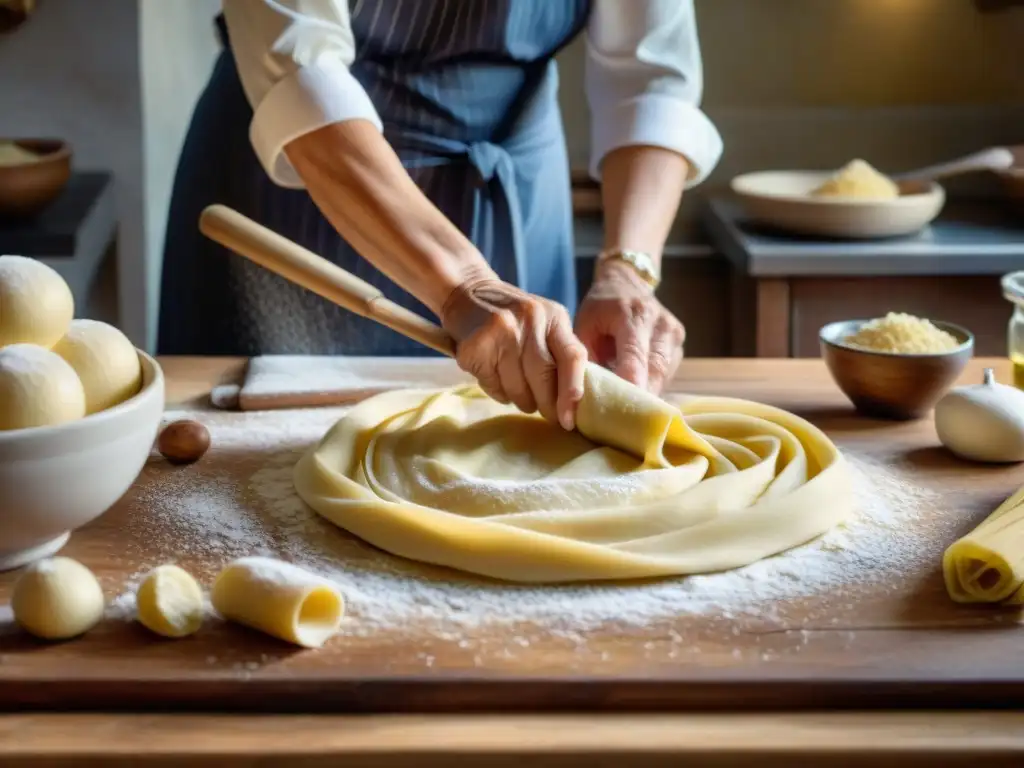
308,99
660,121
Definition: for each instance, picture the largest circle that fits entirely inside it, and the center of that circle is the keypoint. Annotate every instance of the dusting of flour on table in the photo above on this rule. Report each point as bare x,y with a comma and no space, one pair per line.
212,515
206,516
124,606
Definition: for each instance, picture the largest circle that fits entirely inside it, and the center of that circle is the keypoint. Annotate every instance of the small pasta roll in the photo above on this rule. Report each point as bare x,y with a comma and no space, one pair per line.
987,565
170,602
280,599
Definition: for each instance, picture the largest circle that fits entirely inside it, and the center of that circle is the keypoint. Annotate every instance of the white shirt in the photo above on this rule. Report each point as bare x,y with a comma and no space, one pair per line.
643,77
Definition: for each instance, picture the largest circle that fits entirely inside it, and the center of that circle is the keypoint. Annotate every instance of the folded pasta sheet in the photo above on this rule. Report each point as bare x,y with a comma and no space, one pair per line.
987,565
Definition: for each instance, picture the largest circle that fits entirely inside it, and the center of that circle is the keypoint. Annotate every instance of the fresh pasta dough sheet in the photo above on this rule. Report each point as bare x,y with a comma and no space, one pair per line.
641,489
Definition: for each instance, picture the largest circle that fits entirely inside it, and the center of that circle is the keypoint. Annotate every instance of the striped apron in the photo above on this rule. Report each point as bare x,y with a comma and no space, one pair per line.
467,92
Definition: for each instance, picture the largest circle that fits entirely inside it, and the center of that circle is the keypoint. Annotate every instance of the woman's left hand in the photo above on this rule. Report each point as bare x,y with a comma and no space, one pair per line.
626,328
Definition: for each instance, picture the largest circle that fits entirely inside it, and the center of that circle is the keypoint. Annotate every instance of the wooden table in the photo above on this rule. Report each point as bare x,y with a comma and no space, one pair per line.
116,697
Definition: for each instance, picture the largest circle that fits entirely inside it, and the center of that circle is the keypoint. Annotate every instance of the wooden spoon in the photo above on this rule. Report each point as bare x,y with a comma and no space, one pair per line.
991,159
315,273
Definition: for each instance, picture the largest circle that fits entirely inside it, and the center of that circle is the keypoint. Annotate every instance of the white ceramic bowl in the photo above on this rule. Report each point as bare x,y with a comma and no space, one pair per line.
782,199
56,479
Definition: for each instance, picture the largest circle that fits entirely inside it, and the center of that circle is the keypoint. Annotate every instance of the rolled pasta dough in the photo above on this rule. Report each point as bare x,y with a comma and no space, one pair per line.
642,489
170,602
987,565
280,599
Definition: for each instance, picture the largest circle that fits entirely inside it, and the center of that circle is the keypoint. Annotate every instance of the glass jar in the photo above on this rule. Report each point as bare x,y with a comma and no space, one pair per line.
1013,291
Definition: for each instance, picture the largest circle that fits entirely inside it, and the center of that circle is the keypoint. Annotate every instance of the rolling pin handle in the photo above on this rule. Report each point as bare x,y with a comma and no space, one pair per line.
315,273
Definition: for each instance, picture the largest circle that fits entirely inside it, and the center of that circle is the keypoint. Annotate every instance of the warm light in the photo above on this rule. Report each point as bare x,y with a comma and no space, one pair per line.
899,6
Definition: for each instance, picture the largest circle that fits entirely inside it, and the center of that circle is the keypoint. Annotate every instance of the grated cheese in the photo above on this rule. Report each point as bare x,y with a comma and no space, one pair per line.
12,154
902,334
858,179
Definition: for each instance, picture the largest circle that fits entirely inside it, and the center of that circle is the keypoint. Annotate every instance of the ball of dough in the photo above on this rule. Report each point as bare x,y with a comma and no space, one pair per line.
57,598
36,305
982,422
37,388
858,179
104,359
170,602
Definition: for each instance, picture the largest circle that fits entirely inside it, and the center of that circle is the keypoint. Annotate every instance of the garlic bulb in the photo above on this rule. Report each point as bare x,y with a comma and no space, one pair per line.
983,422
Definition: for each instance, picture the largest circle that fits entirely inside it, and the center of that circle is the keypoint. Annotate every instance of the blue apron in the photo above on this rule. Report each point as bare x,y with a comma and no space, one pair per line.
467,92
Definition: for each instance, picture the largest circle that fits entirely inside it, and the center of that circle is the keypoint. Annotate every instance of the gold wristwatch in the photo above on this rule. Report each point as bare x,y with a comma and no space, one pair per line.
642,263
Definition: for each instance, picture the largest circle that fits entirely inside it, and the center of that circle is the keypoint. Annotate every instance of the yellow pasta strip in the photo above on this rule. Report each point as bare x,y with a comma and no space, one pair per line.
987,565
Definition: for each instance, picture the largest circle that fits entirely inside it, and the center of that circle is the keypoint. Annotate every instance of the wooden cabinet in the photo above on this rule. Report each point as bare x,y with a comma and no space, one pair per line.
781,317
783,289
749,294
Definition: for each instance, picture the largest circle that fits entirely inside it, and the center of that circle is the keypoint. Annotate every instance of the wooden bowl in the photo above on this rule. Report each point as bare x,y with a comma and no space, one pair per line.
892,386
782,199
27,188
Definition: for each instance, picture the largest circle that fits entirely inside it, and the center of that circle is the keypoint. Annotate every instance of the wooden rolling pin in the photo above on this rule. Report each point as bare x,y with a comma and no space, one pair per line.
315,273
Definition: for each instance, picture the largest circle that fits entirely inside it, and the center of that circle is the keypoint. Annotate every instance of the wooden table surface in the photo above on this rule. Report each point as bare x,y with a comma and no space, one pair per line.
906,646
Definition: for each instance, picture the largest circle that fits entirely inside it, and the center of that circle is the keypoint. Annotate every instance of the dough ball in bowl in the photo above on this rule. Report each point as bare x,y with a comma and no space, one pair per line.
37,388
105,361
36,305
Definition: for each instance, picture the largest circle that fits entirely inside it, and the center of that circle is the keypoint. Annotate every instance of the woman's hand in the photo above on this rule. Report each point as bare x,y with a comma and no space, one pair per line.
520,347
626,328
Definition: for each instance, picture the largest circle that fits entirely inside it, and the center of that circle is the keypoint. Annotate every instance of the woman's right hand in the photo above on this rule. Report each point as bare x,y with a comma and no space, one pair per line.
520,348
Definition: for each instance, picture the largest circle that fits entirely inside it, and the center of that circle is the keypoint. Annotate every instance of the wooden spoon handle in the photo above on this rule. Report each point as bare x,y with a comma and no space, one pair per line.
992,159
302,267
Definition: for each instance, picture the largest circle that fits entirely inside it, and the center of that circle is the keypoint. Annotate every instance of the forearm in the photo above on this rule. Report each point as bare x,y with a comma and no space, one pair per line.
356,179
641,189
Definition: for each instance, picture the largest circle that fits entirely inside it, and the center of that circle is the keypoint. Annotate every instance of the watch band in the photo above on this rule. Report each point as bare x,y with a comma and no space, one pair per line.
642,263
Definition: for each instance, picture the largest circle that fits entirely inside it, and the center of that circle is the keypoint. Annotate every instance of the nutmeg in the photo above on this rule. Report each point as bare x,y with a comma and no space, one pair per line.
183,442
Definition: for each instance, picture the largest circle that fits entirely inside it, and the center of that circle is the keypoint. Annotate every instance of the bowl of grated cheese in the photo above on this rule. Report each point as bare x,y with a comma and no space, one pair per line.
897,366
856,202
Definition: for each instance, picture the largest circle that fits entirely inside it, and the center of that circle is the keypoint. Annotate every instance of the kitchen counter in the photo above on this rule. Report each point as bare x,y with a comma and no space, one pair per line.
783,287
966,239
721,689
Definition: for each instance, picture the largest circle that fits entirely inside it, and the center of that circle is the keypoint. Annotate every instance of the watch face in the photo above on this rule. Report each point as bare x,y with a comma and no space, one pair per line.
641,262
644,264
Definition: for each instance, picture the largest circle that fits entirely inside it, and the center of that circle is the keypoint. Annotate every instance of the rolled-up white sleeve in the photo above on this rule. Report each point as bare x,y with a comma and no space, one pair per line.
644,82
293,57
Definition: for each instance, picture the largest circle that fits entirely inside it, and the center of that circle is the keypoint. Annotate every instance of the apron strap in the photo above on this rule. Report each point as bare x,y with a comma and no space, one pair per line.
495,164
497,170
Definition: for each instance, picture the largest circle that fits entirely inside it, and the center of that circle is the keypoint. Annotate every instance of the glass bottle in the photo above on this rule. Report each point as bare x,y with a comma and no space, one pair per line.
1013,291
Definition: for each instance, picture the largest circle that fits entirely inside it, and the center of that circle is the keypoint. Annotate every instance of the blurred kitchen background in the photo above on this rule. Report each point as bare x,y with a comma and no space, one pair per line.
791,84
